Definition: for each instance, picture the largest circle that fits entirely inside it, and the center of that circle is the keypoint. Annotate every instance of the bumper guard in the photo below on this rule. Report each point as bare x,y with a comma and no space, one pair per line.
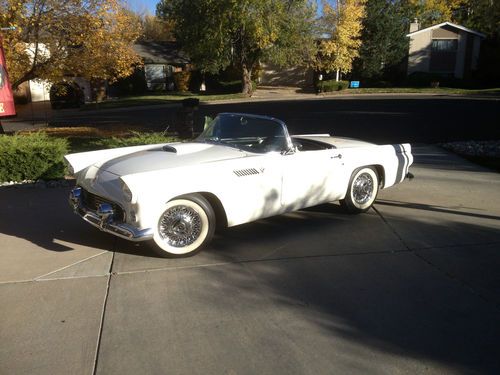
103,219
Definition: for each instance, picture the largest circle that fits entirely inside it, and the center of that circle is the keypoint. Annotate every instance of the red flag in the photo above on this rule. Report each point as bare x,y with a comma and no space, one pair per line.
7,107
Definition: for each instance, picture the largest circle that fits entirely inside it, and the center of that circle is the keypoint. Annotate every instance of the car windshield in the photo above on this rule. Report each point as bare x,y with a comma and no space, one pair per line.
246,132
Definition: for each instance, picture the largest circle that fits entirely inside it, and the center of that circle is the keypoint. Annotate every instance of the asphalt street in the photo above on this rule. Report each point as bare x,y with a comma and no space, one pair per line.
412,286
385,118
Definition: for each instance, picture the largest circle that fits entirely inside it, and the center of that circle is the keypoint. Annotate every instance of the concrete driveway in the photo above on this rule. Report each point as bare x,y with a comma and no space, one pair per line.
413,286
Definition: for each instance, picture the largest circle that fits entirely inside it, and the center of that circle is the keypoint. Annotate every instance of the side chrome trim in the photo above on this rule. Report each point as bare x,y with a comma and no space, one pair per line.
103,219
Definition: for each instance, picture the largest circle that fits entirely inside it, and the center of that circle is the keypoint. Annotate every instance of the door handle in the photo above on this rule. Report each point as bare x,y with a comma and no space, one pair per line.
339,156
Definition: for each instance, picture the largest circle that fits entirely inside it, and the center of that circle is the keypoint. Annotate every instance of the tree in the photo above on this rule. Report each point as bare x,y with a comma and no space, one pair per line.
483,16
432,12
54,39
156,29
343,24
217,34
384,41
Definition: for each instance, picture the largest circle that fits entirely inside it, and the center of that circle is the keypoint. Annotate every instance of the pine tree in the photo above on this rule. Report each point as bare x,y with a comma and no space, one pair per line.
384,42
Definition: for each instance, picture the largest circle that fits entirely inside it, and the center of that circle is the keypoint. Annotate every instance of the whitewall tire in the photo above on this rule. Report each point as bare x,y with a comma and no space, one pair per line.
184,226
362,190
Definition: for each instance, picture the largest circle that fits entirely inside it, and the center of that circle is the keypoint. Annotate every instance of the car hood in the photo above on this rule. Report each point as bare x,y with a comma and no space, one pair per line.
169,156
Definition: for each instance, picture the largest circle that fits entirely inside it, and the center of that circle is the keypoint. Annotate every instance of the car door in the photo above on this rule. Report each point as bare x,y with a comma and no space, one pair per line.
251,187
310,178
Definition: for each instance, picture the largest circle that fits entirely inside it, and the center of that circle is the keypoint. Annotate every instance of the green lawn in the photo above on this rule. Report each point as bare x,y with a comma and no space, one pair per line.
423,90
154,99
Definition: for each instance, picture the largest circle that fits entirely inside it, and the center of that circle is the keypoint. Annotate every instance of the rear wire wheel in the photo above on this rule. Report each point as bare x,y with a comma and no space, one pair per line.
362,190
185,225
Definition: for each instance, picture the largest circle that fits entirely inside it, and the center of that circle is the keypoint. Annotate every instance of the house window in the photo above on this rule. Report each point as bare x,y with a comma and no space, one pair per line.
443,56
444,45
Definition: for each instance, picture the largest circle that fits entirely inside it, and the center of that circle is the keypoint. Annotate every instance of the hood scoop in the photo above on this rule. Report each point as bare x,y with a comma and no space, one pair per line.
168,148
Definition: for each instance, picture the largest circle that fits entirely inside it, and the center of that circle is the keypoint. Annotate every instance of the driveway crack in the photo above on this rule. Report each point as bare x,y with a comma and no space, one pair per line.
450,276
103,313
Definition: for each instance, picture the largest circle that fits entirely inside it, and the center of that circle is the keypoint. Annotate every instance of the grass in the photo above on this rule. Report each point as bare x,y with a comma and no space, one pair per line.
423,90
155,99
160,98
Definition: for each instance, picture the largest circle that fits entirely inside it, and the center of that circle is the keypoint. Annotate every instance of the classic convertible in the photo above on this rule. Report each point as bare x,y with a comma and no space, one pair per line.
241,168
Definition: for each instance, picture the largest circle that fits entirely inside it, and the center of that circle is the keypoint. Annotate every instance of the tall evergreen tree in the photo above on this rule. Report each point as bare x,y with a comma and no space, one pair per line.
481,15
484,16
384,42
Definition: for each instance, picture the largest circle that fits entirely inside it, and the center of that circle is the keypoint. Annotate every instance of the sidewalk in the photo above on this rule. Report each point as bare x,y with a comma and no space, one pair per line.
29,116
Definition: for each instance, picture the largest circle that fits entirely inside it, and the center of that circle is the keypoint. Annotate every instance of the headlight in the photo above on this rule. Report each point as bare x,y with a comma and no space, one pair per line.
127,194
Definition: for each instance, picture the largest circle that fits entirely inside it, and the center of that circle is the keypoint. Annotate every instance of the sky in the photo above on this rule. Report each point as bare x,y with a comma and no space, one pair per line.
143,6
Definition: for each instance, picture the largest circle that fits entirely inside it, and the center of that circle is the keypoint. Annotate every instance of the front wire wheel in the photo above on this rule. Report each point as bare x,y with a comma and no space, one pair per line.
184,227
362,190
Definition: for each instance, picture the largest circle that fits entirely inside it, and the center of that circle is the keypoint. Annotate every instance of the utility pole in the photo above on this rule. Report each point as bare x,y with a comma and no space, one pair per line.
7,107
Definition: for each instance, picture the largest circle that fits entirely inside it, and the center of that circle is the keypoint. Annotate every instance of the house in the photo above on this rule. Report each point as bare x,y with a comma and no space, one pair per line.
445,49
161,60
295,76
37,90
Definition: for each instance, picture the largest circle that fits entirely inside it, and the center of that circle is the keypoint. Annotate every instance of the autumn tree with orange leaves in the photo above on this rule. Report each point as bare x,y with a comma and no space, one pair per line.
55,39
342,23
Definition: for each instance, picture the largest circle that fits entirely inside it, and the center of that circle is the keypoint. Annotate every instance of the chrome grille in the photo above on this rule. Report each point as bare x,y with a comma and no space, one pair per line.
92,202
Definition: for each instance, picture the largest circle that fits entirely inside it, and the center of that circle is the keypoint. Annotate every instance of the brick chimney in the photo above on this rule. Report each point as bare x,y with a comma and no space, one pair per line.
414,26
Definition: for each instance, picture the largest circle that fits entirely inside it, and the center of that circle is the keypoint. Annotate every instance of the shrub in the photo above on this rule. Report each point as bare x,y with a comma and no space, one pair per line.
136,139
228,87
31,157
332,85
424,79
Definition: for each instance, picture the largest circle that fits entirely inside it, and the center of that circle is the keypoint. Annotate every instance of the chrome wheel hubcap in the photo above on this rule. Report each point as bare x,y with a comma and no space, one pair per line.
180,226
362,188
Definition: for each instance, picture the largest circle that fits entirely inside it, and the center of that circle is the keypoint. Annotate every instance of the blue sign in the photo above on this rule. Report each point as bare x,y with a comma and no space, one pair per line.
354,85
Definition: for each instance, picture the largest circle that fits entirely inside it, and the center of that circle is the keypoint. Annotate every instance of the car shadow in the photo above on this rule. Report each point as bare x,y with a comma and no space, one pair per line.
438,305
435,307
43,217
318,265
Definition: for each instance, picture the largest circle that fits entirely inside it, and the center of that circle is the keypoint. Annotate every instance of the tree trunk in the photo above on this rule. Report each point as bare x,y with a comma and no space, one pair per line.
246,80
338,75
99,90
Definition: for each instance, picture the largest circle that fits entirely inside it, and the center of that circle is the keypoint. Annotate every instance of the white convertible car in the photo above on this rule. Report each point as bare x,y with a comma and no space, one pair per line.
241,168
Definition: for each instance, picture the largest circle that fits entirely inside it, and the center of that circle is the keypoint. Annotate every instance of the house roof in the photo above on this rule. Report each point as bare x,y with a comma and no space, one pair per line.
161,53
447,24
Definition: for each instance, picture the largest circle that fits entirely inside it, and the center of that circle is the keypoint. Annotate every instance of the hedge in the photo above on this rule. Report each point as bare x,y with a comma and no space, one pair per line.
31,157
36,155
81,144
332,85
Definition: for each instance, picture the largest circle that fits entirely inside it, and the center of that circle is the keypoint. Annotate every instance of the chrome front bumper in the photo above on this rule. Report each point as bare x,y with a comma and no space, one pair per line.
103,219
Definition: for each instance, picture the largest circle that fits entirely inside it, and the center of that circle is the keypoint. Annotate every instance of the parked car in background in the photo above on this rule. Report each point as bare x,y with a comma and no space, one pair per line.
241,168
66,95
